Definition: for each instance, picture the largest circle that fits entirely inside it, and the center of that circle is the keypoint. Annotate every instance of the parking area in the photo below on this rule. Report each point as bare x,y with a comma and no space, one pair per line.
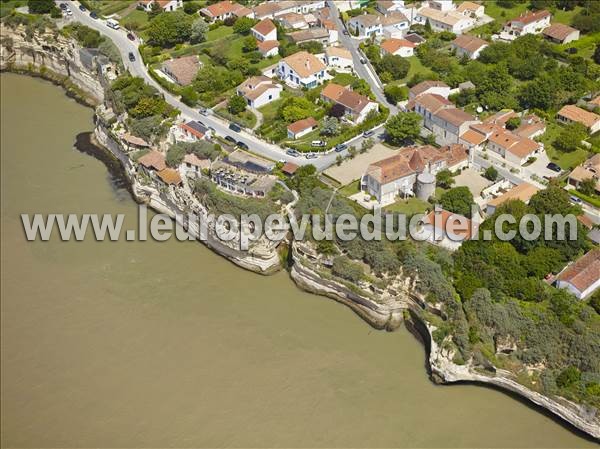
472,179
352,169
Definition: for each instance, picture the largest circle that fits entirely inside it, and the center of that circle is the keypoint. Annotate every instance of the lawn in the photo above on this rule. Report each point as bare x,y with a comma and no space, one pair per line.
219,33
135,19
415,67
585,45
7,6
409,207
350,189
566,17
566,161
504,14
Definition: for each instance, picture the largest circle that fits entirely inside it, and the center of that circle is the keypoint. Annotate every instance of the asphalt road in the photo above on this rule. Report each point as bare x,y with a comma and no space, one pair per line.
221,127
364,71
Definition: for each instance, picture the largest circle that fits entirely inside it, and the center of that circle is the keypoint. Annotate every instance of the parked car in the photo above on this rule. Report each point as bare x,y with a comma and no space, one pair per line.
341,147
235,127
317,143
368,133
131,36
131,56
346,33
63,6
554,167
203,111
292,152
68,12
93,15
576,200
312,156
82,8
363,61
230,139
242,145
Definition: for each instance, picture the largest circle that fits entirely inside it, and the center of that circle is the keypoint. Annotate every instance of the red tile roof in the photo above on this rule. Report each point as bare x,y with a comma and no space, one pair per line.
583,272
303,124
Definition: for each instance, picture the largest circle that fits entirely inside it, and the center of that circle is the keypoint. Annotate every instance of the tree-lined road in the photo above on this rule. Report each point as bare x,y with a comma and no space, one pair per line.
221,127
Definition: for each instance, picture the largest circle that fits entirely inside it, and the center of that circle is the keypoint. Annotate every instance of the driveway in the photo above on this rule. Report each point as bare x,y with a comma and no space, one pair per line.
352,169
473,180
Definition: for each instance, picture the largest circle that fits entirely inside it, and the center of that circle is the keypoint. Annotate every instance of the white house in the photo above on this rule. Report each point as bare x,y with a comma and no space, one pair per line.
442,5
513,148
397,47
471,9
560,33
193,131
192,165
259,91
386,7
301,128
165,5
339,58
447,229
356,106
528,23
429,87
397,175
301,69
268,48
571,113
582,276
445,20
265,30
467,45
366,25
224,10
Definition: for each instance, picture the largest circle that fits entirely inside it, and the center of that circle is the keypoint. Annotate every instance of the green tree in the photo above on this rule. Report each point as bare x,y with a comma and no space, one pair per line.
249,44
243,25
588,186
568,377
444,179
175,155
394,93
294,109
570,137
313,47
513,123
347,269
41,6
168,29
189,95
199,30
236,104
148,106
403,128
553,200
491,173
395,65
330,127
597,54
458,200
595,301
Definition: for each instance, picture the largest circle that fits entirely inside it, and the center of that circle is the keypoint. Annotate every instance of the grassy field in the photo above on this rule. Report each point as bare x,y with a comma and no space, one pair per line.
219,33
409,207
504,14
415,67
135,19
350,189
565,160
7,6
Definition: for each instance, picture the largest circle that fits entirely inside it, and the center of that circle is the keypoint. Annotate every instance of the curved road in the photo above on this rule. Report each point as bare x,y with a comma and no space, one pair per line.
137,68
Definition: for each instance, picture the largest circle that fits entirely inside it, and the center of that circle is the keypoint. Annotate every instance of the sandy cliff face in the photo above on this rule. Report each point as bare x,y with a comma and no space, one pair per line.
52,56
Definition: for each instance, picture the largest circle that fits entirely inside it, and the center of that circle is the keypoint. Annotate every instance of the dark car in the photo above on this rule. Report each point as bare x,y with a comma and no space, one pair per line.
341,147
291,152
230,139
368,133
242,145
235,127
82,8
130,36
93,15
554,167
63,6
131,56
363,61
346,33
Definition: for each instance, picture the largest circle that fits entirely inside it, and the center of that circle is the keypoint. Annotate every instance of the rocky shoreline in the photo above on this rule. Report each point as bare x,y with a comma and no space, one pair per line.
443,370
